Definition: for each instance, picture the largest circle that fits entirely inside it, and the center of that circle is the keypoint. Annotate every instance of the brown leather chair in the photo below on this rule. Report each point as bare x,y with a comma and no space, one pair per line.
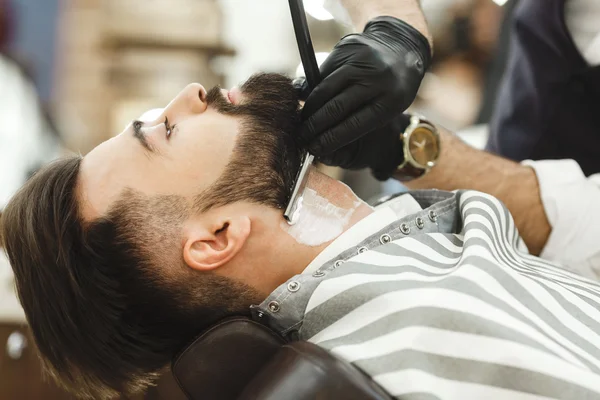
239,359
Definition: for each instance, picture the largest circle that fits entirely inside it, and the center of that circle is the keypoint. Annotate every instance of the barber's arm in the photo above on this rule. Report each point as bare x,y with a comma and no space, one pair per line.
459,167
463,167
555,207
360,12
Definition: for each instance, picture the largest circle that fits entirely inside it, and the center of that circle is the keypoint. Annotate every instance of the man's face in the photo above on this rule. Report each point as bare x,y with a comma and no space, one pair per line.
154,161
187,147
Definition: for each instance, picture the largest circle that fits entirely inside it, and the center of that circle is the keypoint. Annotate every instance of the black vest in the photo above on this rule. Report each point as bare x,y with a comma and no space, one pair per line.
549,101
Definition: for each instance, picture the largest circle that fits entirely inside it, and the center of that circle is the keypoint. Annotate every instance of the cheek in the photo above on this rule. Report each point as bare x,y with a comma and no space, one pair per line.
191,170
202,147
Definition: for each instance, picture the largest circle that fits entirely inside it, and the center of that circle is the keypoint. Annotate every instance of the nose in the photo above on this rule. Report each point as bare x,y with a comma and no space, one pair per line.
191,100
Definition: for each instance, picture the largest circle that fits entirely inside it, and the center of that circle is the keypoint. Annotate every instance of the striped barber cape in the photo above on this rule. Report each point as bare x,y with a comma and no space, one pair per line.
445,303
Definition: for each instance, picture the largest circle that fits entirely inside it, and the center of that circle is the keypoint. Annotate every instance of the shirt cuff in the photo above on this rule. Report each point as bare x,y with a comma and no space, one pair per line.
553,177
570,201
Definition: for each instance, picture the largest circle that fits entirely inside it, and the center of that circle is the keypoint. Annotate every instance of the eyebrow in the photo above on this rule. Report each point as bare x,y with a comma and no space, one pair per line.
139,135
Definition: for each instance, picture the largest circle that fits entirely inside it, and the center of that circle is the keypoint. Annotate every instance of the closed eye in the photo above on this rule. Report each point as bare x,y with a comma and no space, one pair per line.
139,135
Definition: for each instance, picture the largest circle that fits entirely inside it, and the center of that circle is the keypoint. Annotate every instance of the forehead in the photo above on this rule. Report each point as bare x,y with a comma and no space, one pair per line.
193,158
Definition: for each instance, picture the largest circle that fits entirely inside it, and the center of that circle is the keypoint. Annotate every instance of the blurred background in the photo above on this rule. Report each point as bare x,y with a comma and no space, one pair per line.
75,72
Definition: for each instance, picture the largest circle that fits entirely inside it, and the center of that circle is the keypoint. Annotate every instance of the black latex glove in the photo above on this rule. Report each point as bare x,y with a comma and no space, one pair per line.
368,80
381,150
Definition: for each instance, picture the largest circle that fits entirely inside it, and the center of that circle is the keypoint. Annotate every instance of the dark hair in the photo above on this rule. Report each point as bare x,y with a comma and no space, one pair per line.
111,301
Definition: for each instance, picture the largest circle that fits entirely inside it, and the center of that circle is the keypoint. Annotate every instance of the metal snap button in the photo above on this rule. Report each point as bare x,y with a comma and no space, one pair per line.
318,274
338,263
385,238
274,306
362,250
420,223
405,229
293,286
433,216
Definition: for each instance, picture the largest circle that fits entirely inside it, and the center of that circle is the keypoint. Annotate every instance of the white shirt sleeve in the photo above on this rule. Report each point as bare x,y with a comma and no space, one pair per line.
572,204
583,21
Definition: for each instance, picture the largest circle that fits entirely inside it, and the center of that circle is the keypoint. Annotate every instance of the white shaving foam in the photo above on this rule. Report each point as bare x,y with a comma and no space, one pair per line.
316,220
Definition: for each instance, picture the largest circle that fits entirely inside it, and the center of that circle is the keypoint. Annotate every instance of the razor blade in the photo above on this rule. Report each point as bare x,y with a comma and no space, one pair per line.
313,77
293,208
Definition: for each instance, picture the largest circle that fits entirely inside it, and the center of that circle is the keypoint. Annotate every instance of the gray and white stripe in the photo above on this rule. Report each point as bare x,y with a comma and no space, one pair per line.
462,315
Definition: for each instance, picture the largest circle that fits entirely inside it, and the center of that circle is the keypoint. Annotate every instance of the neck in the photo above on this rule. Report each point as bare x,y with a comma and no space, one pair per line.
328,209
276,251
330,197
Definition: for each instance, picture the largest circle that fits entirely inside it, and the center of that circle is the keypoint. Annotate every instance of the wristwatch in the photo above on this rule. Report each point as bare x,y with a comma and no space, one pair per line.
421,145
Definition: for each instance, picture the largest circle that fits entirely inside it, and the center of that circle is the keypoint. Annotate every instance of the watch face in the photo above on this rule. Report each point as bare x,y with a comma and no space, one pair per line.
423,146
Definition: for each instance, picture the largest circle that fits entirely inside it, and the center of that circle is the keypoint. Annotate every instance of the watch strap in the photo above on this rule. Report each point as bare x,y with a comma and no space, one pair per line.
409,172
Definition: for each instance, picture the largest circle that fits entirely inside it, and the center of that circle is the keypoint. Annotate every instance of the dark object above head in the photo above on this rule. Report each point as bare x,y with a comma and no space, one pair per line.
240,359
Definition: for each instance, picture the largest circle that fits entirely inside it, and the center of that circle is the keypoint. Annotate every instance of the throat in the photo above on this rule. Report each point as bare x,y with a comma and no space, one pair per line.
326,210
319,221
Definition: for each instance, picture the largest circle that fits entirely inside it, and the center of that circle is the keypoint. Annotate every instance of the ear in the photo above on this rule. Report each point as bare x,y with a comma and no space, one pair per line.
209,247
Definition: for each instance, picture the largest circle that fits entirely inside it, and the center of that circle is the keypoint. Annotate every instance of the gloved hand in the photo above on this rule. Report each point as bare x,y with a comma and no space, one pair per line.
368,80
381,150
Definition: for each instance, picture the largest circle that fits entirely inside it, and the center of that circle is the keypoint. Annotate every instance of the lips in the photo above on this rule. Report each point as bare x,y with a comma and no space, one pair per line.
232,96
235,95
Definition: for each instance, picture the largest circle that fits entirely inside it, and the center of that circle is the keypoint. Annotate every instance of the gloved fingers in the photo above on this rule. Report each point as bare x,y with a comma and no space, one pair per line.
363,121
343,157
340,56
335,111
301,87
331,63
331,86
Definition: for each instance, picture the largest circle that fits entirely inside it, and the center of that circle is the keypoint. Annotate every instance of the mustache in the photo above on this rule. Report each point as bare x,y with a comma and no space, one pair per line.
264,94
216,99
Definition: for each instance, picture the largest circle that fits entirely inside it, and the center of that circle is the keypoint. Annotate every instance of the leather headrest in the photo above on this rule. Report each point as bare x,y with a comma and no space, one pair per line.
304,371
220,362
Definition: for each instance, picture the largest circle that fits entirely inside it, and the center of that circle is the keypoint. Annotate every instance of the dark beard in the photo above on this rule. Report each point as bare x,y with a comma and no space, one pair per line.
270,107
267,155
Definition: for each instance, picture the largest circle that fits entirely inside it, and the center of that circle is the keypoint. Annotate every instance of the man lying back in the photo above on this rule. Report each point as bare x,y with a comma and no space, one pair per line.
122,256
